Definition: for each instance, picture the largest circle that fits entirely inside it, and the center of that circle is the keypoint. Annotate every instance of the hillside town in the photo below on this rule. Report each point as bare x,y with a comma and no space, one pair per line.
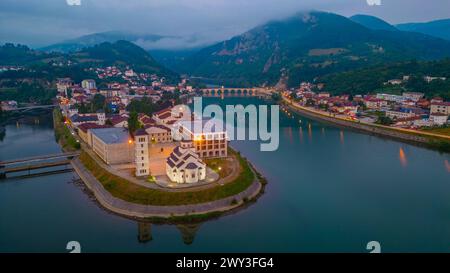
149,149
409,110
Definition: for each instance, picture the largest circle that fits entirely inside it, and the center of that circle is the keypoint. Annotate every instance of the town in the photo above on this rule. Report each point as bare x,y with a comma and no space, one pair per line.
410,110
102,121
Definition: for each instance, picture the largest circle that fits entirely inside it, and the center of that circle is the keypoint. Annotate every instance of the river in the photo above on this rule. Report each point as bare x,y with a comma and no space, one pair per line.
329,190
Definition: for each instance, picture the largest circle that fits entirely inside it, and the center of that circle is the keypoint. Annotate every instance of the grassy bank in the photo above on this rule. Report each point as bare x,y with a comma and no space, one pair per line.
125,190
62,133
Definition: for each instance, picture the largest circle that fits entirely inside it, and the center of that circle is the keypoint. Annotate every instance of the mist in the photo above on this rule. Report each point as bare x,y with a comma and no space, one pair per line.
189,23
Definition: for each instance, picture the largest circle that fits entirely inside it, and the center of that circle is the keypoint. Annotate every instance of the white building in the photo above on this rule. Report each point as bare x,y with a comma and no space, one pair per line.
113,145
88,84
209,137
390,97
438,119
158,134
414,96
398,114
141,153
440,107
184,165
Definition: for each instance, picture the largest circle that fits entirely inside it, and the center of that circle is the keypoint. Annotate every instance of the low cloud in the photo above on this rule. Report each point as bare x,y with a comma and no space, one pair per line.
40,22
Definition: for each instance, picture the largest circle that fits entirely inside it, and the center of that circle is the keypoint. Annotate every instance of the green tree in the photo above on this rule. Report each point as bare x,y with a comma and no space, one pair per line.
133,123
98,102
383,120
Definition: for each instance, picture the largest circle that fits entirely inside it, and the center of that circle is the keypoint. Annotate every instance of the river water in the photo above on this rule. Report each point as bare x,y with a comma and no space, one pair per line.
330,190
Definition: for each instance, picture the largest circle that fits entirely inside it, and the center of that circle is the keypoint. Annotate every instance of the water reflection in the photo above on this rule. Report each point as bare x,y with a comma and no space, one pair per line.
300,133
402,157
309,131
447,165
187,232
341,137
144,232
289,131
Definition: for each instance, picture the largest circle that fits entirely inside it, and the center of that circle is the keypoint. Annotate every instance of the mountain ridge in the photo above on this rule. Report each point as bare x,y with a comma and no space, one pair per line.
305,46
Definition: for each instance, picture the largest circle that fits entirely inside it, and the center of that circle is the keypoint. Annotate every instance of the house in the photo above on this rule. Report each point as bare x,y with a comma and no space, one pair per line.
63,84
98,118
77,119
390,97
406,122
438,119
423,103
414,96
440,107
374,103
171,115
324,95
158,133
119,121
436,99
395,81
429,79
399,114
113,145
184,165
88,84
9,105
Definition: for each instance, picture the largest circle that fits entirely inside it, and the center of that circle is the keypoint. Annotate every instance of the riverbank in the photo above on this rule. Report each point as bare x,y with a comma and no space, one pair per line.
124,198
430,140
62,133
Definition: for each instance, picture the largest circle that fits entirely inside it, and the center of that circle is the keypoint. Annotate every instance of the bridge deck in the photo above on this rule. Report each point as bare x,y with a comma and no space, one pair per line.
36,166
38,158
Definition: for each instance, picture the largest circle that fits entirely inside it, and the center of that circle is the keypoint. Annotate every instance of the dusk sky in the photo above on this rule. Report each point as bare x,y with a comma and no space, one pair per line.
42,22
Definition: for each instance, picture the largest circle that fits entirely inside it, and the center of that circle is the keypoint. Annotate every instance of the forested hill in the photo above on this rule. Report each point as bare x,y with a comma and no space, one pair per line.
120,53
373,79
305,46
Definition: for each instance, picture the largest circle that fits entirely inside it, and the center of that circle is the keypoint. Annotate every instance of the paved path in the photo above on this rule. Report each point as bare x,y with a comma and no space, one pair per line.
122,207
400,130
142,182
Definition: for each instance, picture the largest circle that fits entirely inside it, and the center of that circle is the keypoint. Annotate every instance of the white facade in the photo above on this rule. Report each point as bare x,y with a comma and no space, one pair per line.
397,114
184,165
438,119
141,154
88,84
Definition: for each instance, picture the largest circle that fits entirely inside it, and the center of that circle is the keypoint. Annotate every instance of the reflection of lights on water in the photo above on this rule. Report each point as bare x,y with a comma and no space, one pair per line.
323,131
341,136
290,134
402,157
300,132
309,131
447,165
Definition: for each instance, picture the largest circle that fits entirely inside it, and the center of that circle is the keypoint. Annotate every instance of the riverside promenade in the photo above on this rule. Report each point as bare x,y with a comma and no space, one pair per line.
133,210
382,130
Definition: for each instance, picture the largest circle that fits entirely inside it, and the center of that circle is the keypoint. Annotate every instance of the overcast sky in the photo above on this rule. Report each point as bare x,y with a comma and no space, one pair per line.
42,22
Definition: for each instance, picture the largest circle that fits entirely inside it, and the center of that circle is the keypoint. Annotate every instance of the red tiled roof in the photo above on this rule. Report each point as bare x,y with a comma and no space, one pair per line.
148,120
86,126
164,115
117,119
445,103
168,109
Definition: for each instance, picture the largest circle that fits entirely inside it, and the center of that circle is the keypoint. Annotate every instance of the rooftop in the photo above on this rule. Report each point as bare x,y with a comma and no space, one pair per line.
112,135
